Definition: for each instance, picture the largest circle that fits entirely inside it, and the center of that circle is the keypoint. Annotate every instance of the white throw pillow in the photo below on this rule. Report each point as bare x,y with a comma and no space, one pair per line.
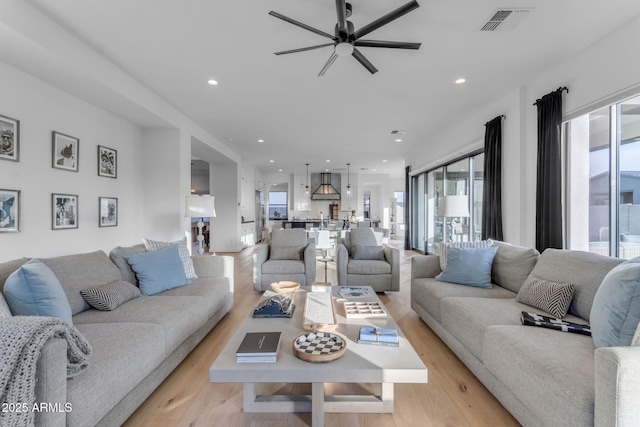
636,337
4,307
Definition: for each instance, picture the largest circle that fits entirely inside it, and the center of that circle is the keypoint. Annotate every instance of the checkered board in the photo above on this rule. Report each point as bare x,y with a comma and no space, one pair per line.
319,343
319,346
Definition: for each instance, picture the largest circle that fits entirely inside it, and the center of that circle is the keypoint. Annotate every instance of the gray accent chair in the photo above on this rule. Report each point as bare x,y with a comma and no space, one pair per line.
381,274
288,256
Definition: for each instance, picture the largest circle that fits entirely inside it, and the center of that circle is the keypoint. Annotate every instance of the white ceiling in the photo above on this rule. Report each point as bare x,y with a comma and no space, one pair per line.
174,47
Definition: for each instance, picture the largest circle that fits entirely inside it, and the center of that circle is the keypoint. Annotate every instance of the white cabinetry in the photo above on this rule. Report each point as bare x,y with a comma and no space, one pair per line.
248,234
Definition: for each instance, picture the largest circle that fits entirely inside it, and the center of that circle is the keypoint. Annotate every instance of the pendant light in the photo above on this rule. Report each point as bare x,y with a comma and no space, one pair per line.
348,181
307,186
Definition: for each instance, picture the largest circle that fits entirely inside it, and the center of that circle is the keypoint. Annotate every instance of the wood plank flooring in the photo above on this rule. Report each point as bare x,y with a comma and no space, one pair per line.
452,397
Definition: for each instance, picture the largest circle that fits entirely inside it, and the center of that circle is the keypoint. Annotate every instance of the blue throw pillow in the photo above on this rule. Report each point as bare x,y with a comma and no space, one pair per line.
159,270
33,290
469,266
615,312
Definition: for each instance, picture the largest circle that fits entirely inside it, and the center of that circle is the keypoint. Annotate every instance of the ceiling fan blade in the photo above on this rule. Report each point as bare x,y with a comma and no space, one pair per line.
364,61
391,16
341,9
329,63
301,25
389,44
302,49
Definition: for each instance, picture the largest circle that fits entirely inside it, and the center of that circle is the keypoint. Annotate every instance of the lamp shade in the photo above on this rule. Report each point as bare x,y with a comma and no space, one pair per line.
454,206
200,206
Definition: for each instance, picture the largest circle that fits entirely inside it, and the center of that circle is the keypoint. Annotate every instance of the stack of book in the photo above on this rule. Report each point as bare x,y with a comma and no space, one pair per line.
259,347
378,336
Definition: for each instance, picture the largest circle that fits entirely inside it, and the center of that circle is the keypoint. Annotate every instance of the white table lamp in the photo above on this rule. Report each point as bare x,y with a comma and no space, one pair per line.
454,207
200,207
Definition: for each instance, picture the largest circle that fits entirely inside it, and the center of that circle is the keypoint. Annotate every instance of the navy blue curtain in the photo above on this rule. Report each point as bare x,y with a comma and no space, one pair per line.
492,197
407,210
549,230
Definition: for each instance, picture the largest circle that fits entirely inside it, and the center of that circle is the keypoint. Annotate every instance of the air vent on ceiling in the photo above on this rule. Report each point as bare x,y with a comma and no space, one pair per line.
397,132
506,19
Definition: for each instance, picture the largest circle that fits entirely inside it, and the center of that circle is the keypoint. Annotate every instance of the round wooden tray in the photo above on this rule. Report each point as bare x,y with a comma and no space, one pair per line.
319,347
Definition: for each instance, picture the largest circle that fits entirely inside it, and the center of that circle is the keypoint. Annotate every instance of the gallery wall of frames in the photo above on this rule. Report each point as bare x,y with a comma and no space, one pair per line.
65,155
71,173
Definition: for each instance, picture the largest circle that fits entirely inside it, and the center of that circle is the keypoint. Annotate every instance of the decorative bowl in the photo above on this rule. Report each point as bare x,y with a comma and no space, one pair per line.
285,287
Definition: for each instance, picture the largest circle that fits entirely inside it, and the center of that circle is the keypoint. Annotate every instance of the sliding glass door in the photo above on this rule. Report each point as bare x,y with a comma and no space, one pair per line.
431,189
603,180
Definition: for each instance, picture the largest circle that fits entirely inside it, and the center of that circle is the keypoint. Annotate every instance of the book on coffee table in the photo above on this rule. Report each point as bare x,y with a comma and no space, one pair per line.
259,347
378,336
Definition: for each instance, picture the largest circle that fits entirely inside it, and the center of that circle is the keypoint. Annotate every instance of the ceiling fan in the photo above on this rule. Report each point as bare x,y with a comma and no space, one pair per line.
347,39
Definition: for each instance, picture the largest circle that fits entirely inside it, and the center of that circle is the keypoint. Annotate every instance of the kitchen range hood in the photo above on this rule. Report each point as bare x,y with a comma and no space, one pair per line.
325,191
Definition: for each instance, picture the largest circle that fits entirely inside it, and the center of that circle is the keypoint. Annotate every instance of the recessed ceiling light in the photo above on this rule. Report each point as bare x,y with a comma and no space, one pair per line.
271,161
212,82
460,81
328,161
373,170
261,140
384,161
326,170
279,170
398,140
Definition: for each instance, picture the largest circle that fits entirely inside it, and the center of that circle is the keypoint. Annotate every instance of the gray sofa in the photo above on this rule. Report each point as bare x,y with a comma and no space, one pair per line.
381,274
287,255
136,346
543,377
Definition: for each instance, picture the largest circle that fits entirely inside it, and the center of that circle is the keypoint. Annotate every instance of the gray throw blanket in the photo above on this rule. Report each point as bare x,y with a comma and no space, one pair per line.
21,341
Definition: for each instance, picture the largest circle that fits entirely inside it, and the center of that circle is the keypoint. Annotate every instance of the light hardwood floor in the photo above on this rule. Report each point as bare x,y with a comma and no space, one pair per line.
452,397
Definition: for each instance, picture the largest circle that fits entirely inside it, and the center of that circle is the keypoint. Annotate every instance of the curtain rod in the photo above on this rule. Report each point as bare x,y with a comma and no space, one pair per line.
501,116
560,89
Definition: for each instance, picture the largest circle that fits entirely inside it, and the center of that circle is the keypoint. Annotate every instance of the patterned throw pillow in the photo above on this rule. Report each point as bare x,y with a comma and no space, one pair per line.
187,262
110,296
444,248
552,297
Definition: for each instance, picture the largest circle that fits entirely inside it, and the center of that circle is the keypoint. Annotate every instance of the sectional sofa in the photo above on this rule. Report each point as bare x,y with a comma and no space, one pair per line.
543,377
135,346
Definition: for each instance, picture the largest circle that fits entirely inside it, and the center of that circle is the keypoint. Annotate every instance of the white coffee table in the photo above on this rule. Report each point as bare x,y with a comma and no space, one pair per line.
362,363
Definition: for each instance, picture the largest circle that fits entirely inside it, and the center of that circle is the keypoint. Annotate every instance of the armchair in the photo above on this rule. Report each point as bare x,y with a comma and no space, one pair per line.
362,262
288,256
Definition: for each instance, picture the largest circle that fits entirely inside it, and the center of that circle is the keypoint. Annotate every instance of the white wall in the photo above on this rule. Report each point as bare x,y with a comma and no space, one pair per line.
601,73
166,183
225,185
42,108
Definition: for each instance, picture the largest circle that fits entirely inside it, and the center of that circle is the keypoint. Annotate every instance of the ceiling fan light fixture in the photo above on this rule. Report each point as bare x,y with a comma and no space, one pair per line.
344,49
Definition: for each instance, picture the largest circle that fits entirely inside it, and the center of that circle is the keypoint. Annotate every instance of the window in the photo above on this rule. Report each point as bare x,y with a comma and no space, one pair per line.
603,180
277,205
397,215
367,207
429,190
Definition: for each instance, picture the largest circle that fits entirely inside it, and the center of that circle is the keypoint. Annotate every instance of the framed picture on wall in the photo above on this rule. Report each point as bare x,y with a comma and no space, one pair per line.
65,151
9,211
64,211
108,211
9,139
107,162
